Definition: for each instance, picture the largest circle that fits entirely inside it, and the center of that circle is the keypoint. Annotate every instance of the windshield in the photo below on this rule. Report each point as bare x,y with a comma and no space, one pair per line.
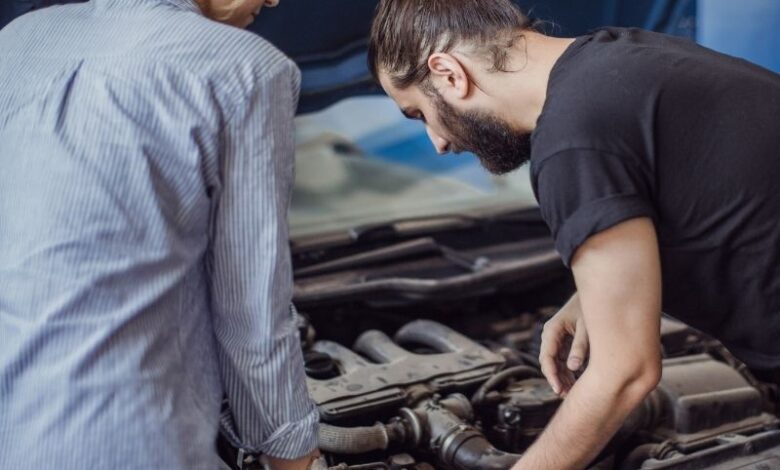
361,162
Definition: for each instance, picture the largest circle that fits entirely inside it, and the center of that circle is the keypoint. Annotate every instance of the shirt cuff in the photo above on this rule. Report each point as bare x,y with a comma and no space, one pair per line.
595,217
294,440
291,441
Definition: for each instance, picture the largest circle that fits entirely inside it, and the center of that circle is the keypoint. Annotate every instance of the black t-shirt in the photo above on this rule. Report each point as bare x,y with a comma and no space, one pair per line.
639,124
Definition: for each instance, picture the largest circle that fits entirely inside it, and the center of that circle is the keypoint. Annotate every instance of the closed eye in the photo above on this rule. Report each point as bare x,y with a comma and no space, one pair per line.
413,114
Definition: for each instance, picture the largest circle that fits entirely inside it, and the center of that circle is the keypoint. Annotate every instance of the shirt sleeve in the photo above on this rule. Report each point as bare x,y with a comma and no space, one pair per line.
582,192
260,356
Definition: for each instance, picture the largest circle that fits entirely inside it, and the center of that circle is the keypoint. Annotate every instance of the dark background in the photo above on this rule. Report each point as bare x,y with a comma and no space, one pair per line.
327,38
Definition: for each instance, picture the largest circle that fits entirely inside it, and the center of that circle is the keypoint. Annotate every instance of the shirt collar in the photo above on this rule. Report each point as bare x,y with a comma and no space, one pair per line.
187,5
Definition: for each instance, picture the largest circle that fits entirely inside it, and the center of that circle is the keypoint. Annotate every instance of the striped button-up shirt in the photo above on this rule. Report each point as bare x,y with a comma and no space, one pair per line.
146,166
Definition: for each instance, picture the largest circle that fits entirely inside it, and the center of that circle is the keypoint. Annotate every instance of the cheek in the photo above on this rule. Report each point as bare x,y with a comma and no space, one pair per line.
436,132
243,9
439,119
245,12
438,128
229,12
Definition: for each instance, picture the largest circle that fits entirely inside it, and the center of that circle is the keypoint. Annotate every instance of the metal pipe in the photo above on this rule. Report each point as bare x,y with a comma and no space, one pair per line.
349,361
430,333
379,347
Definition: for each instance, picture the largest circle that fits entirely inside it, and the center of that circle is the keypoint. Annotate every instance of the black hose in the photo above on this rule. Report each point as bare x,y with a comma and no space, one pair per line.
638,456
518,372
357,440
476,453
457,444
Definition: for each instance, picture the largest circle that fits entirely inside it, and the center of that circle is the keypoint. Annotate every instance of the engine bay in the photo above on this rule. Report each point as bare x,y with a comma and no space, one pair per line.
427,358
431,397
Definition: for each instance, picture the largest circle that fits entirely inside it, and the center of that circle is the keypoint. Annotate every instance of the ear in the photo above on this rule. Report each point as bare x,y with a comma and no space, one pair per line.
448,75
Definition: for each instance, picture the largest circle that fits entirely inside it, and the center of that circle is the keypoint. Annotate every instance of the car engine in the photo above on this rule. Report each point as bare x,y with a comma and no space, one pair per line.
416,363
431,397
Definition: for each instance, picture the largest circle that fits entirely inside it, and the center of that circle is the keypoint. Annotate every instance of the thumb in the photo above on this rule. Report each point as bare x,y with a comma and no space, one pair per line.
579,347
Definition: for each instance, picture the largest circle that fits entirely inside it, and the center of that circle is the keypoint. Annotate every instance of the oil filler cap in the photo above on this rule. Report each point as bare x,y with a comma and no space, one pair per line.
320,366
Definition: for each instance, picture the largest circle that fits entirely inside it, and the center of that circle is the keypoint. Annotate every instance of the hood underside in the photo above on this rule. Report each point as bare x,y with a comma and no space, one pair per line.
328,39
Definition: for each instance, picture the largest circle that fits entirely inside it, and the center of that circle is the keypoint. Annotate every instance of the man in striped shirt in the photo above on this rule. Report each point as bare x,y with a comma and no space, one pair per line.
146,167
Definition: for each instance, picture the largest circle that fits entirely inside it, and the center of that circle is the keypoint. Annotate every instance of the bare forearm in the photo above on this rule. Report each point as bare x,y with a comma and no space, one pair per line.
588,418
302,463
621,324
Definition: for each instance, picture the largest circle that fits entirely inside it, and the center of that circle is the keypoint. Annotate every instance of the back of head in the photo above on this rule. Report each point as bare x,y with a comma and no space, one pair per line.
406,32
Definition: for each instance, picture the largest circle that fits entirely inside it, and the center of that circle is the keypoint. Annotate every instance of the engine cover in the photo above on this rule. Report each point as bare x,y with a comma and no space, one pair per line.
699,397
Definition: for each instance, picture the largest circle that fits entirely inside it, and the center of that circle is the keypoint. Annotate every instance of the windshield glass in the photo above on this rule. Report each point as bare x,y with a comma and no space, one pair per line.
361,162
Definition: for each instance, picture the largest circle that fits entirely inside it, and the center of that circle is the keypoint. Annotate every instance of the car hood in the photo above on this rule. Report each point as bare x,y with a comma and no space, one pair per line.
328,41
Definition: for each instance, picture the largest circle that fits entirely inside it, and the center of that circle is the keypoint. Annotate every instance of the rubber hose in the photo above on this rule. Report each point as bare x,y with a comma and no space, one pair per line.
518,372
357,440
479,454
638,456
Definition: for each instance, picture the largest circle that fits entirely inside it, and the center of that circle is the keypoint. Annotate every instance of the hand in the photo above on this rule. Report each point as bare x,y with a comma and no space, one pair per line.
303,463
564,346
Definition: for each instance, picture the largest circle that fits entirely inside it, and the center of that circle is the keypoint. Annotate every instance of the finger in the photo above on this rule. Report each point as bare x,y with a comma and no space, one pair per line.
566,378
564,346
579,347
550,371
548,354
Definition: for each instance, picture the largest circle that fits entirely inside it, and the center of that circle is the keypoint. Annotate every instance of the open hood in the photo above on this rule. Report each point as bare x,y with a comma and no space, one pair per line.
328,38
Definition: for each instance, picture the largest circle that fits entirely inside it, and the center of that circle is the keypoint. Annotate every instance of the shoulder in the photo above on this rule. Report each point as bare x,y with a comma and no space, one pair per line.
601,96
233,46
615,66
235,63
22,20
246,62
225,49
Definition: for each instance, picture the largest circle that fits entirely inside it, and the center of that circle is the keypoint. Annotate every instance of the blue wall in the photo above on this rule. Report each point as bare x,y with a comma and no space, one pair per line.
745,28
571,18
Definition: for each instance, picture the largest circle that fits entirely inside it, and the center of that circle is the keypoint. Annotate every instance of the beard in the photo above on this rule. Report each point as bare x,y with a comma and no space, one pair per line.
500,148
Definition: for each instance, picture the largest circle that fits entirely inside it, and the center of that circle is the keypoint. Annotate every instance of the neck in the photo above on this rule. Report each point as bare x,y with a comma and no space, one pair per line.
523,92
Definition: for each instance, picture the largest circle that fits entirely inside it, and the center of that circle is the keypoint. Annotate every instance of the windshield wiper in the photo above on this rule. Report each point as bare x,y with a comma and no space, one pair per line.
421,246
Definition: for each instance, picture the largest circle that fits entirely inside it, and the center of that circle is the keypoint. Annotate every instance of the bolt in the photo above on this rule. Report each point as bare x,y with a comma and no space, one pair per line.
512,417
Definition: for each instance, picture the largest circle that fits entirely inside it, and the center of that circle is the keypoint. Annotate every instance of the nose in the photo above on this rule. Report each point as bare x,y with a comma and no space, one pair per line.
441,144
271,3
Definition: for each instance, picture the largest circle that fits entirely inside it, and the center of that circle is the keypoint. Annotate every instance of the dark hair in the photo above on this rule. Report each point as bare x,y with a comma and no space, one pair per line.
406,32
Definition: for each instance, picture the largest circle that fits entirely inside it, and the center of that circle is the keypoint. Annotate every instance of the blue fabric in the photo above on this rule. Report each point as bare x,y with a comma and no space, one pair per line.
146,168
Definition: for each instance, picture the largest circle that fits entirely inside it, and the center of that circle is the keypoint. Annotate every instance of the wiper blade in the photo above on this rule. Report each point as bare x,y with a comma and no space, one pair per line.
395,252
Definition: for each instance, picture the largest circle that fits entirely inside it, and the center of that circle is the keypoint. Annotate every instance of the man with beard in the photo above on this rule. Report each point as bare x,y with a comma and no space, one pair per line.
655,163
